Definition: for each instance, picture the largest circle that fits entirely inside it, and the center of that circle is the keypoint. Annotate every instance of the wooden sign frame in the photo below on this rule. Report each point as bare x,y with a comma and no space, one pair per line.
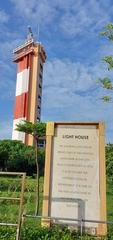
50,130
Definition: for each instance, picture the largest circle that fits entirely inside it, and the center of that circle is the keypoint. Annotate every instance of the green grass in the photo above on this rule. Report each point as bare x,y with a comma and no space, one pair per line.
109,200
9,212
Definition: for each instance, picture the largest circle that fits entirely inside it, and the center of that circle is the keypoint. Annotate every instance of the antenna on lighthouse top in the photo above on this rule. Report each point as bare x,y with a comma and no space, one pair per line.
30,34
38,32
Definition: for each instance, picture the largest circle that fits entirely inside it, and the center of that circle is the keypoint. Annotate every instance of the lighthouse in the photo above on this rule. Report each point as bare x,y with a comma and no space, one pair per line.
30,58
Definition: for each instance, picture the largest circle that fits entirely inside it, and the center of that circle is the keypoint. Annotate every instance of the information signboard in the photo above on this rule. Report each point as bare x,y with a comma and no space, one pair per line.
75,174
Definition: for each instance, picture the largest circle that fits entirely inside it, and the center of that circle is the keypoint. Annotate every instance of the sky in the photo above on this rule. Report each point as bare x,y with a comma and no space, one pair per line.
69,31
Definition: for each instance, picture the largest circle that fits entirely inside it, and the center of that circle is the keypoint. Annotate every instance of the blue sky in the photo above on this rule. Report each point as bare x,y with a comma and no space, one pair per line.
69,31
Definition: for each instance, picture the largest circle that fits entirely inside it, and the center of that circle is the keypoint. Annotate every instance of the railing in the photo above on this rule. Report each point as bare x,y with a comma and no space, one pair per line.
20,200
81,221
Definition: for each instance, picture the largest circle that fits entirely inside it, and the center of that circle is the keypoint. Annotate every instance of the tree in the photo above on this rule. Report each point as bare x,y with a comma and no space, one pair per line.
4,154
16,156
109,161
106,82
37,130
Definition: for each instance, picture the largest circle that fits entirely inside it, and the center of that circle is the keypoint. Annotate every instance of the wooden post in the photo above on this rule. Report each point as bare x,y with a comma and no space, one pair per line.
45,210
21,199
102,228
21,206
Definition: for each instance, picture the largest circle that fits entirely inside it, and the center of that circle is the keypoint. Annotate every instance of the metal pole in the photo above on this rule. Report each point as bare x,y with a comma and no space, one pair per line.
9,224
81,228
12,173
69,219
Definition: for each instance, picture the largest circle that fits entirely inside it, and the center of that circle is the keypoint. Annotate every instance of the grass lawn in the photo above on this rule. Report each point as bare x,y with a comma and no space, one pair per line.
109,201
11,187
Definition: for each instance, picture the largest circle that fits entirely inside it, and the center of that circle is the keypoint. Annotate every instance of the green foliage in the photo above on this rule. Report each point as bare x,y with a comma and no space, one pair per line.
106,99
16,156
106,83
25,126
11,187
109,61
9,184
7,233
41,161
41,233
108,31
109,160
53,233
36,129
39,129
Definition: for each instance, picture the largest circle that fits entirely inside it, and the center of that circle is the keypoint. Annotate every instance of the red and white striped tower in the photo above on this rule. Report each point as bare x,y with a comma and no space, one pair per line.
30,58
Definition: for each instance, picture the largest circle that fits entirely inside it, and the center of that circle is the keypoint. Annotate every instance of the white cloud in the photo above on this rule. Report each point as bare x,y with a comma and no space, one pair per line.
85,16
67,77
72,17
71,93
35,10
4,17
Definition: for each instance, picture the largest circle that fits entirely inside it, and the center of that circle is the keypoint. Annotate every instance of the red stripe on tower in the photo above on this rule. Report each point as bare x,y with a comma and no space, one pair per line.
20,108
21,98
24,63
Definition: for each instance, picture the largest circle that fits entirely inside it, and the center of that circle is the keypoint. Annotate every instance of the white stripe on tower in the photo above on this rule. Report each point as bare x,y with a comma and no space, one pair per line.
22,82
21,98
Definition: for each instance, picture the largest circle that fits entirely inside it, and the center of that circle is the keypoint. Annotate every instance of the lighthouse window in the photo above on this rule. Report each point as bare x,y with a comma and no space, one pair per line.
41,67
